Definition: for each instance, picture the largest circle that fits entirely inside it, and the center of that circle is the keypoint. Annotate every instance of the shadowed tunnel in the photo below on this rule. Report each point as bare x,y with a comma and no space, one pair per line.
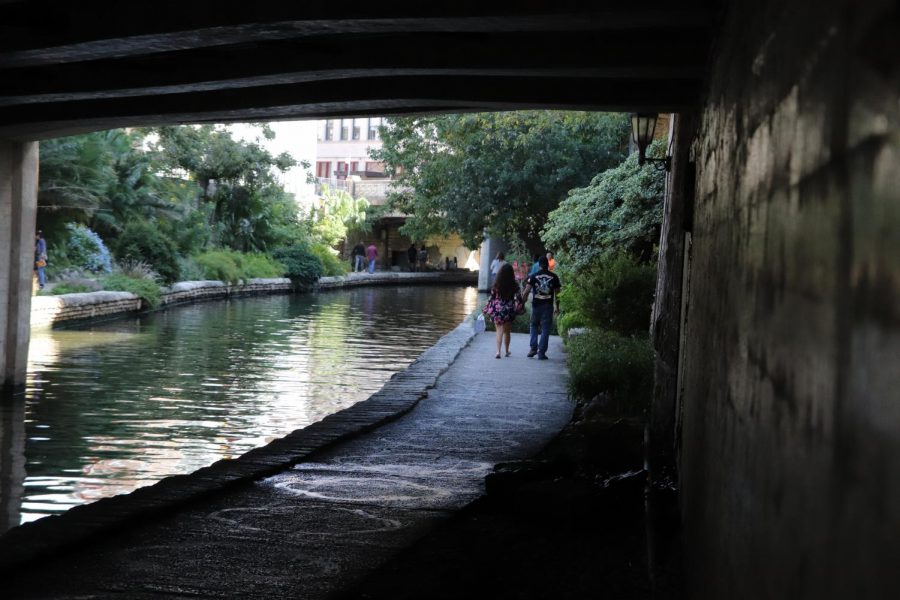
777,320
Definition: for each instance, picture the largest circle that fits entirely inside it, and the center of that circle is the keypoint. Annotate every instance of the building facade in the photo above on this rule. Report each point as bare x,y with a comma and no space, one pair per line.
343,161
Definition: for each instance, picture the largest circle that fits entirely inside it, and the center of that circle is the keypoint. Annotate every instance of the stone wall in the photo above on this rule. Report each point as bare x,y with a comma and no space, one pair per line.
790,453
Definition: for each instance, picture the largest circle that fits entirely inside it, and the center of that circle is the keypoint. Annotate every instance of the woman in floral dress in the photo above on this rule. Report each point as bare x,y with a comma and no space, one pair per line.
504,305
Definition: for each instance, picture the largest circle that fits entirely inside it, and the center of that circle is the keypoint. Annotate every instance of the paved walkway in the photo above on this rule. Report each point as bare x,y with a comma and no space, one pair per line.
313,530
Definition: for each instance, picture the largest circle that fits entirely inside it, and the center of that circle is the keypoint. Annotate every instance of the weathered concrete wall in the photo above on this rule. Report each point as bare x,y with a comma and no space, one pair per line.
667,307
791,431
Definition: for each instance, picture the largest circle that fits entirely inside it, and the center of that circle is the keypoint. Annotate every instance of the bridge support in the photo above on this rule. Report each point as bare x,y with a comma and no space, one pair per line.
18,212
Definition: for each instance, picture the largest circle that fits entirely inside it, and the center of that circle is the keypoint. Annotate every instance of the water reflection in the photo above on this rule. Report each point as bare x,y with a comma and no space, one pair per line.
115,406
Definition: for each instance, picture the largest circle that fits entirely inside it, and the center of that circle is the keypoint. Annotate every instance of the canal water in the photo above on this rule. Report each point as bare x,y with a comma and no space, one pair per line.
114,406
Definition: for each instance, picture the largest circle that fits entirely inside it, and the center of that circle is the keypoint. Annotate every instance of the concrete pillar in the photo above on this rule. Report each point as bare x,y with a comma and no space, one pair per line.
18,212
12,462
489,249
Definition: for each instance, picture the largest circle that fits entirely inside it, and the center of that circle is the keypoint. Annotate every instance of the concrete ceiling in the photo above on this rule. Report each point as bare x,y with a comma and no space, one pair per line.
94,64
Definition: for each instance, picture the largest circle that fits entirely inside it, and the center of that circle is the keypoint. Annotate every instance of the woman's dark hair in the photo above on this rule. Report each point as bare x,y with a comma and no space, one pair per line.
505,283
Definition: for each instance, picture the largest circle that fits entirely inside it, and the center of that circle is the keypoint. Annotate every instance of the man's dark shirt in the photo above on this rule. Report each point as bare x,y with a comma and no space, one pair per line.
544,286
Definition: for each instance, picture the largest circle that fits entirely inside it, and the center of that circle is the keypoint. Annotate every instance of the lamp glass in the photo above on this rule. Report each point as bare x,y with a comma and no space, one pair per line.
643,126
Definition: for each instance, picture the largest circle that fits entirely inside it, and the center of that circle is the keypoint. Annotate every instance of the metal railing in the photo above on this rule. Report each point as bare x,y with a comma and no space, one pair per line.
373,190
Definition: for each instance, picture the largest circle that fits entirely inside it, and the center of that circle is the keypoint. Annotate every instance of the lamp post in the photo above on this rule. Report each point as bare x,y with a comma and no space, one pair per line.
643,125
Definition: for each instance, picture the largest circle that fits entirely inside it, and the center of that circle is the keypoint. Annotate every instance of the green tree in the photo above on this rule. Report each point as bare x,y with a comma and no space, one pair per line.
336,214
103,179
250,211
496,172
620,211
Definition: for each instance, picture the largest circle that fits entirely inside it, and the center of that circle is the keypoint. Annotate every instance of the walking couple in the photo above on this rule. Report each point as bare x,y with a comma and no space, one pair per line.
507,302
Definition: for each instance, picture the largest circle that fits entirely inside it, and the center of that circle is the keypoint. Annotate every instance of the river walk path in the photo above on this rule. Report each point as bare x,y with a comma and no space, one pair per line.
317,528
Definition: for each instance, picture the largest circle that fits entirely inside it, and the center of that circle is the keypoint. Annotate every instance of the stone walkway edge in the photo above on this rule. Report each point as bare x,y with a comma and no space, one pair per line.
396,398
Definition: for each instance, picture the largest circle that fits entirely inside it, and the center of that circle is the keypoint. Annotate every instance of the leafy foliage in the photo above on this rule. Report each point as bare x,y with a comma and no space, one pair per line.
332,266
102,179
500,172
338,212
257,265
219,265
144,288
300,264
249,210
162,195
606,362
621,210
143,241
233,267
615,295
82,248
71,287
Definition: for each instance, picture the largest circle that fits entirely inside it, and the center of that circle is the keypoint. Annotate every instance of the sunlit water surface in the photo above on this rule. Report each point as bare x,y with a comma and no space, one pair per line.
115,406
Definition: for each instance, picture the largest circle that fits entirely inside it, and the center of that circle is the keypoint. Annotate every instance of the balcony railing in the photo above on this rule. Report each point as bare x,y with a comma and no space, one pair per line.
373,190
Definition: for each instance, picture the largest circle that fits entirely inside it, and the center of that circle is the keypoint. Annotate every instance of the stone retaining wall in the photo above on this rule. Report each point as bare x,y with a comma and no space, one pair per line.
68,308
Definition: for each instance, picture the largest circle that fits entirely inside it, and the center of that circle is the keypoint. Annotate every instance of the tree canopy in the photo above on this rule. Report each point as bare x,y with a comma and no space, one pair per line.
495,172
620,211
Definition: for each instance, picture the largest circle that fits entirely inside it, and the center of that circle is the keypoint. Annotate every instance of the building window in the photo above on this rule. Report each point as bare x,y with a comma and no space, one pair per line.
345,129
341,170
373,128
329,130
354,167
323,169
357,128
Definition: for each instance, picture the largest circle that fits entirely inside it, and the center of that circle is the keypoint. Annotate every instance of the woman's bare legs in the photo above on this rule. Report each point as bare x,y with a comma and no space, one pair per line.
507,333
499,329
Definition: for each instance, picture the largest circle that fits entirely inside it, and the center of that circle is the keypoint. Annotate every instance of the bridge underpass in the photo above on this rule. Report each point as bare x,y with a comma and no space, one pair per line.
776,320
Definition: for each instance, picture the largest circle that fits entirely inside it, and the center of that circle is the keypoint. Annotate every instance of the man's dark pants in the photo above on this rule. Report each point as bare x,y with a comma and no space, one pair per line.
541,320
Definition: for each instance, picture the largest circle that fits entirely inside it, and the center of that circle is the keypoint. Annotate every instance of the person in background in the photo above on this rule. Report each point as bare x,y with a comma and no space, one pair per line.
372,254
40,258
423,258
536,266
411,254
359,252
498,262
550,261
545,286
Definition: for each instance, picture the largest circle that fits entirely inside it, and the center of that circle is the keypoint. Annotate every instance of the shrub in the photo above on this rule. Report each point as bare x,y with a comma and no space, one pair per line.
331,264
189,270
616,295
143,241
233,267
621,210
136,269
144,288
84,249
72,287
606,362
261,266
220,264
300,264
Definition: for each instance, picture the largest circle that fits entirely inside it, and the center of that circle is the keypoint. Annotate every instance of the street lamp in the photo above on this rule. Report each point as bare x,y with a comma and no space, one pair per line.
643,126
